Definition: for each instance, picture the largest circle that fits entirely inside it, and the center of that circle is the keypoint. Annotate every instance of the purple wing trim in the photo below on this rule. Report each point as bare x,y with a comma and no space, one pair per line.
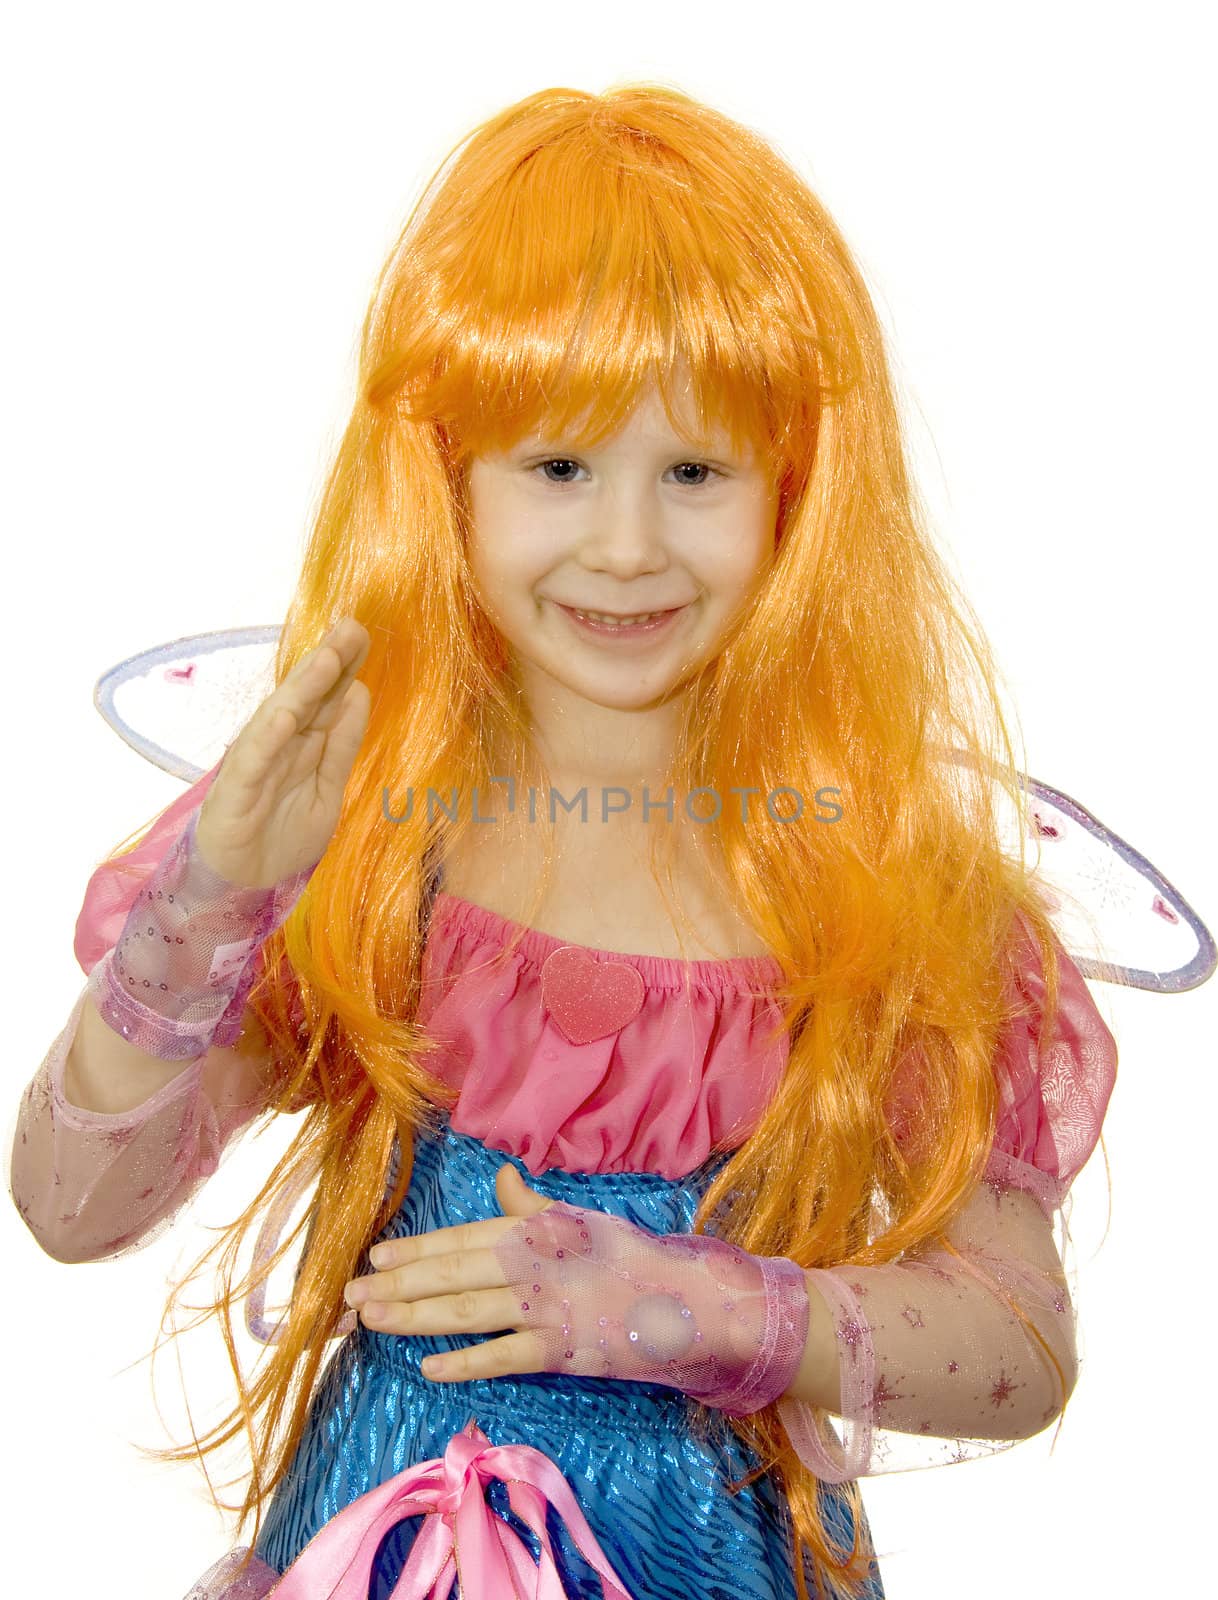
181,704
1151,937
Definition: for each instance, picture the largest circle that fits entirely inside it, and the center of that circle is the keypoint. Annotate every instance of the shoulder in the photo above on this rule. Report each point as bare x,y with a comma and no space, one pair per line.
1055,1073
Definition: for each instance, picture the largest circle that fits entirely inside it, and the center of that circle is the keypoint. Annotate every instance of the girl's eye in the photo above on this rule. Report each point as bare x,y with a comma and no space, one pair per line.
564,461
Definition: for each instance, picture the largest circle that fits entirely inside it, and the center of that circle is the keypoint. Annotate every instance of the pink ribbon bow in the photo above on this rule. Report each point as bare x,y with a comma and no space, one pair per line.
462,1537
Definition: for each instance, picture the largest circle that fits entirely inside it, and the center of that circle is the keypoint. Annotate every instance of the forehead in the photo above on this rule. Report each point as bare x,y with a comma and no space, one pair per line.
647,426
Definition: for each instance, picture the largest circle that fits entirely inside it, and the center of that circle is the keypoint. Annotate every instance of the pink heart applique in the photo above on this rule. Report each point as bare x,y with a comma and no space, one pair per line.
589,999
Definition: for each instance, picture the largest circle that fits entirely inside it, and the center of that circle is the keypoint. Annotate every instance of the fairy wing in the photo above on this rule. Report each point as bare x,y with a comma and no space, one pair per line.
182,704
1115,913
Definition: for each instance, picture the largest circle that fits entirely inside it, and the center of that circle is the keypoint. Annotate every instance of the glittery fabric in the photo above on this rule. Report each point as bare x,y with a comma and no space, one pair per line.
232,1577
653,1493
94,1185
588,999
935,1364
177,979
606,1298
114,885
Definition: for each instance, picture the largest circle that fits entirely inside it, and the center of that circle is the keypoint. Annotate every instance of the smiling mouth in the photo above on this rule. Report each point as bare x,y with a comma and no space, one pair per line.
645,628
618,618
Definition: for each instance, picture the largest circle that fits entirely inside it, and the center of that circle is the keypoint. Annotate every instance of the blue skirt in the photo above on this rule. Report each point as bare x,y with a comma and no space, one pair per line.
654,1492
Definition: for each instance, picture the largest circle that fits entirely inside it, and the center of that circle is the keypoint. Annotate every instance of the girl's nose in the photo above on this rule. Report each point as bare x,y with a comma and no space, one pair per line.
626,537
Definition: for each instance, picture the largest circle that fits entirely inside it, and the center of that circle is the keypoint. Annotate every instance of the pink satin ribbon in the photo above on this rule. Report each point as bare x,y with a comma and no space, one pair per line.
462,1536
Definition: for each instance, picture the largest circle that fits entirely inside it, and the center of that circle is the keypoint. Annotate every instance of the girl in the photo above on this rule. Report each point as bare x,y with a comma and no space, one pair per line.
618,568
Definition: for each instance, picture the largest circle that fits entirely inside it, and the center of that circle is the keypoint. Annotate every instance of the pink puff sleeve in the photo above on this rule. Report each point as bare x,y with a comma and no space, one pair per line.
1053,1092
94,1185
934,1361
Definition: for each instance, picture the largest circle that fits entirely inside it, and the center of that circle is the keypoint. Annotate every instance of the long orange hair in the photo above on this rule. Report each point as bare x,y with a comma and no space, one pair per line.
573,250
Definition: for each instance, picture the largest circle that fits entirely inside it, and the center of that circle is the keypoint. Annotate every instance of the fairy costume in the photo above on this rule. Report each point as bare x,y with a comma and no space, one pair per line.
627,1106
433,350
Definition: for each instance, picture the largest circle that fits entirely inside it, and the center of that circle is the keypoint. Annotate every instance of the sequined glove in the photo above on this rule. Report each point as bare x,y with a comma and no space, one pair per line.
176,982
607,1299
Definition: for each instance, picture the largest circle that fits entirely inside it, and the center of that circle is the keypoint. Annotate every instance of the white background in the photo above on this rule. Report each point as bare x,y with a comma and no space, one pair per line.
197,200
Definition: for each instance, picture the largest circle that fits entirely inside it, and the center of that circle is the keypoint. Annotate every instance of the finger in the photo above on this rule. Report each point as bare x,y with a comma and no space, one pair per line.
273,725
321,677
471,1311
351,639
318,679
436,1241
492,1358
329,707
455,1273
250,757
345,736
330,703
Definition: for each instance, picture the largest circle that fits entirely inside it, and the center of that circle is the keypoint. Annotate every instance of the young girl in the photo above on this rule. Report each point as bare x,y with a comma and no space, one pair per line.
613,878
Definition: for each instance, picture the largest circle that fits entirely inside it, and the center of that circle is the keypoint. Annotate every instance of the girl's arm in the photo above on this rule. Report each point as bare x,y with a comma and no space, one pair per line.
92,1185
927,1360
94,1180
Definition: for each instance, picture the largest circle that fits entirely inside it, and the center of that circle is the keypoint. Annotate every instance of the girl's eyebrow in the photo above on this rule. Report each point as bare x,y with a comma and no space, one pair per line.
716,453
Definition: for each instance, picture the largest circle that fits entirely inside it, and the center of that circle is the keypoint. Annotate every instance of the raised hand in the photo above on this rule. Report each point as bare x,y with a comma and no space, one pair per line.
176,982
272,808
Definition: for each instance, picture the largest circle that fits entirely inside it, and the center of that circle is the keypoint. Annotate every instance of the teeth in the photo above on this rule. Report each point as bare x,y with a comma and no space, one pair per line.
618,622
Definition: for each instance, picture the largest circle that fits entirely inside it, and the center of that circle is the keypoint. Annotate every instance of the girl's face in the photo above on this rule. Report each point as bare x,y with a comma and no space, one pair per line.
643,523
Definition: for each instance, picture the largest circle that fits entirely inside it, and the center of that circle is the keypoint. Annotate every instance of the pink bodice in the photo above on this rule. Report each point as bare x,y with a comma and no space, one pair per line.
690,1067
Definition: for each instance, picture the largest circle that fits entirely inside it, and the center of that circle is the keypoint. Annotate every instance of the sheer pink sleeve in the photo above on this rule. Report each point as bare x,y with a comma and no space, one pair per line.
94,1185
934,1361
113,887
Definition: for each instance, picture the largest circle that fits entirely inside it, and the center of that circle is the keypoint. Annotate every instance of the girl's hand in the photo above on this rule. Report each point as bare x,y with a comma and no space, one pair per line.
593,1295
449,1281
273,806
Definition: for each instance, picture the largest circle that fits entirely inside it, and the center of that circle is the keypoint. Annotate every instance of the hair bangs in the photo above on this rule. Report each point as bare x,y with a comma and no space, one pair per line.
586,270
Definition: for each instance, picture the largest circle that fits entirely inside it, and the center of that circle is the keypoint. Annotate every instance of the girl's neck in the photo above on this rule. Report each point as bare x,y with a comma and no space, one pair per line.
601,892
583,744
